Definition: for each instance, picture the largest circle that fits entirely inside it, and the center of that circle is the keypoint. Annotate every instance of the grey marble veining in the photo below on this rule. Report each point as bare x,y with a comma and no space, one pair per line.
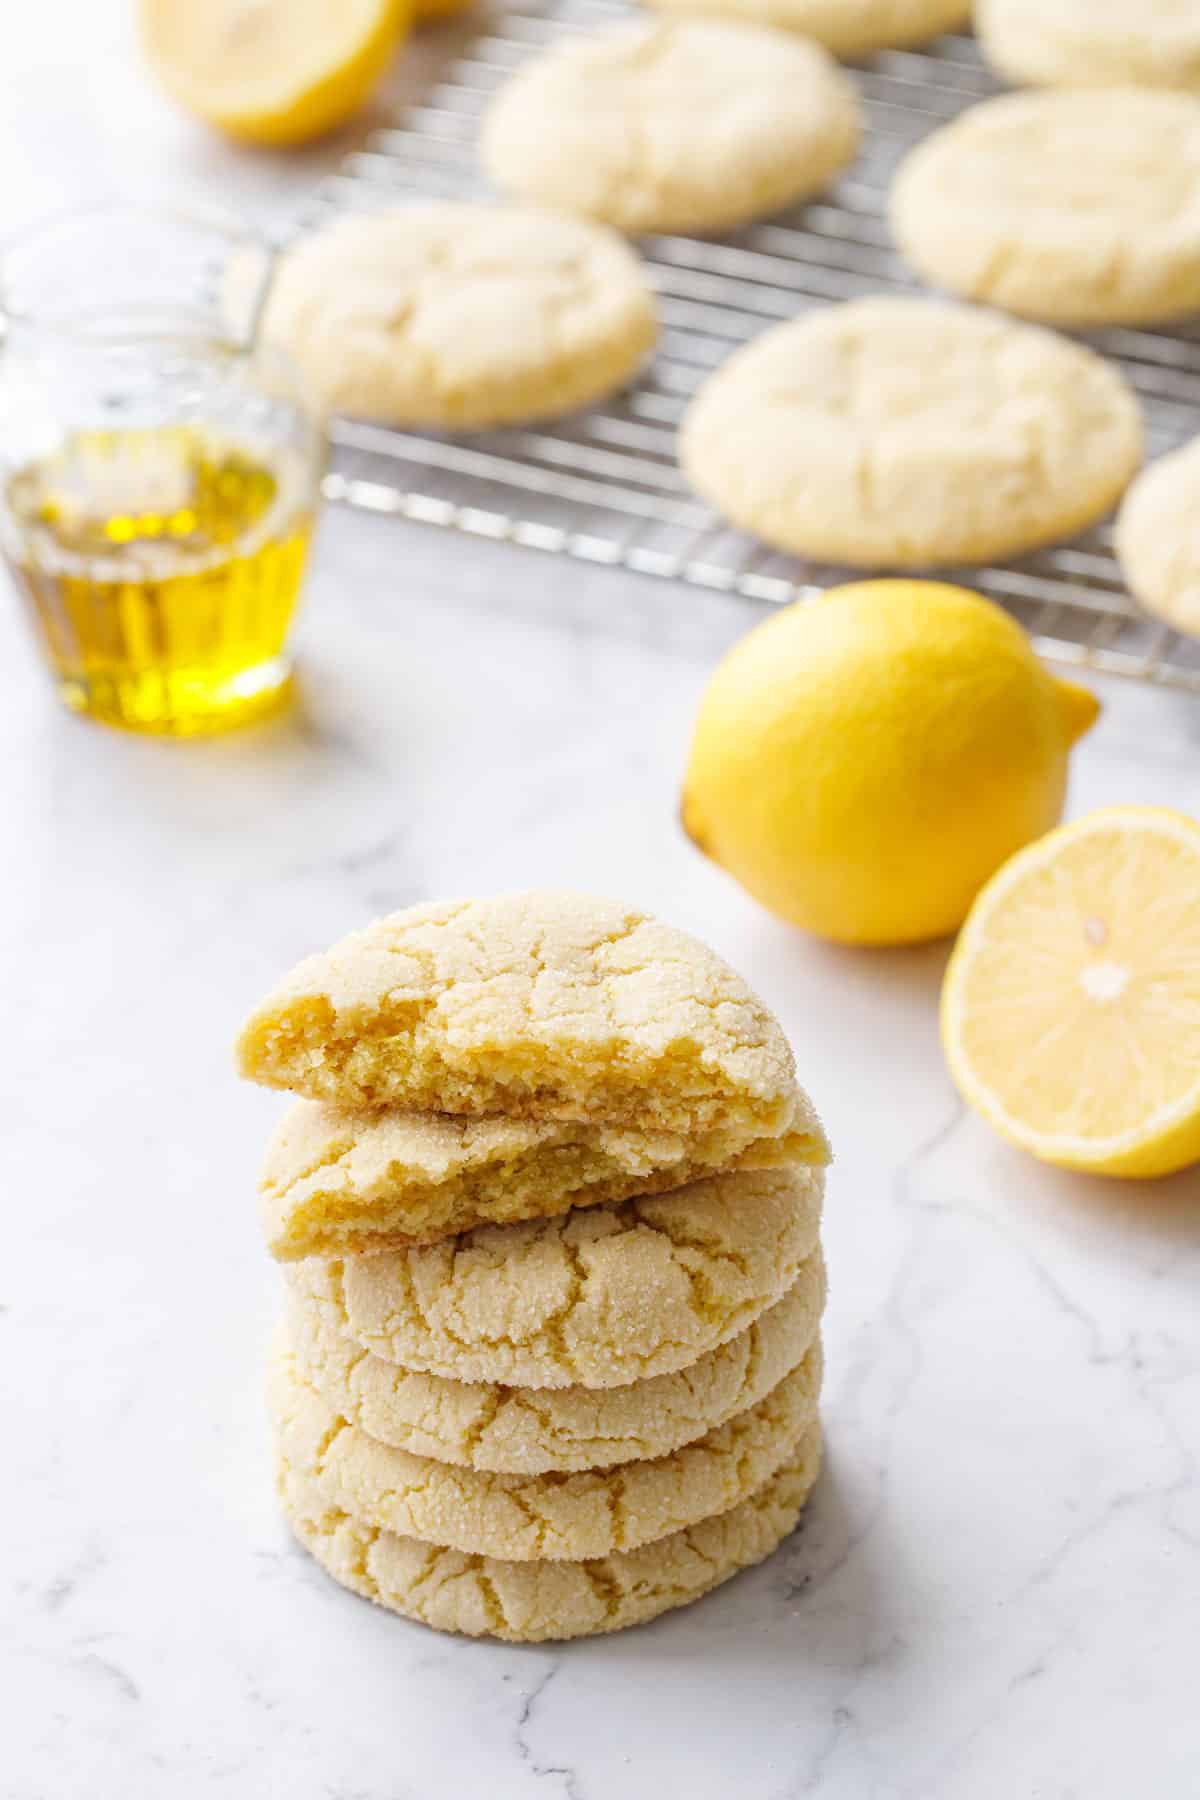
994,1594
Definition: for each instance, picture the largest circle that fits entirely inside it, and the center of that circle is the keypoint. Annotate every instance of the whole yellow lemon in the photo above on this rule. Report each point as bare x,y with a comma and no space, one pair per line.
863,762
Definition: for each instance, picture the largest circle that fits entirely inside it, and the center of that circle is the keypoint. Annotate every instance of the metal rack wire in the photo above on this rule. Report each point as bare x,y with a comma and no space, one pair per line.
604,486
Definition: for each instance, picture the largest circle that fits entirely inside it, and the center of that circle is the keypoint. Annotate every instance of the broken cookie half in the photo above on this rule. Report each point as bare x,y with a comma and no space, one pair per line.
542,1005
337,1183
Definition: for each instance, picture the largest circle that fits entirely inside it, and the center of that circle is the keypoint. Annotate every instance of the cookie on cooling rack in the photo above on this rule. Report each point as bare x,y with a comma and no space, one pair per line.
688,125
906,433
1077,208
1158,545
847,27
1092,43
459,316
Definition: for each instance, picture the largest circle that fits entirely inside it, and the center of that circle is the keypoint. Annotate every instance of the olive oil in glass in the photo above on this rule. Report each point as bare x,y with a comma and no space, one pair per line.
159,471
161,567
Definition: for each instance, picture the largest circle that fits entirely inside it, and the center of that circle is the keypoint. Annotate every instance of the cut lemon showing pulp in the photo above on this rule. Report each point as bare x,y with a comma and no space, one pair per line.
1071,1006
271,71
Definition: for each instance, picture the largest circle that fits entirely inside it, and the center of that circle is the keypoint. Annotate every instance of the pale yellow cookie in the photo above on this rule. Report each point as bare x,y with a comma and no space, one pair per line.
530,1518
903,433
1158,538
533,1431
534,1602
846,27
1076,208
681,126
599,1297
458,316
337,1183
1092,43
537,1005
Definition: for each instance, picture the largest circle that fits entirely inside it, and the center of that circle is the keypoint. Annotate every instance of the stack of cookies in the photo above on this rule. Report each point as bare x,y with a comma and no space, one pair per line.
549,1212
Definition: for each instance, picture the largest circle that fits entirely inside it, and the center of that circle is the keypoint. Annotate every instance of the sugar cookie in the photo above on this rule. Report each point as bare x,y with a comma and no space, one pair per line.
907,432
1092,43
599,1297
1158,538
532,1431
849,28
536,1602
536,1005
530,1518
458,316
336,1183
1077,208
688,125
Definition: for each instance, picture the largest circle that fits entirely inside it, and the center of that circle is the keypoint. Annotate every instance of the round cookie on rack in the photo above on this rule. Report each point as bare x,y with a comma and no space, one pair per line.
530,1518
1158,538
680,126
909,433
1092,43
598,1298
1079,208
536,1602
849,28
458,316
520,1431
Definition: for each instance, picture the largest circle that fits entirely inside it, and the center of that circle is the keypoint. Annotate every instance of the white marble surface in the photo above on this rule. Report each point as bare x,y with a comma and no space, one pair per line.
996,1592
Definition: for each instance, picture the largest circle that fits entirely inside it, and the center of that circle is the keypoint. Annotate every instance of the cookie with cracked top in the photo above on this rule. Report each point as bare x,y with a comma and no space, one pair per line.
529,1518
538,1005
539,1602
598,1297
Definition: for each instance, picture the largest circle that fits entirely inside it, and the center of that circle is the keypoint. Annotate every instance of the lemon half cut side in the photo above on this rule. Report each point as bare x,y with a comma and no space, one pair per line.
1071,1005
271,72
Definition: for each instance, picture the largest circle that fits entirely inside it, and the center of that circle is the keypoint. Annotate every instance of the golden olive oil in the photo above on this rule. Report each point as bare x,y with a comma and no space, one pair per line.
162,568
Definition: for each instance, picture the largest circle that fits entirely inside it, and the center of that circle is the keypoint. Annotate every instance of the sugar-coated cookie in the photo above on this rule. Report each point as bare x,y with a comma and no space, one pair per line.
599,1297
1158,538
534,1005
536,1602
336,1183
684,125
1092,43
533,1431
1079,208
846,27
905,432
459,316
529,1518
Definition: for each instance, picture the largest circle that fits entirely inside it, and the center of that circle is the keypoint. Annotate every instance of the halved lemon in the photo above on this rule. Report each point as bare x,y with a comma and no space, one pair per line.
272,71
1071,1006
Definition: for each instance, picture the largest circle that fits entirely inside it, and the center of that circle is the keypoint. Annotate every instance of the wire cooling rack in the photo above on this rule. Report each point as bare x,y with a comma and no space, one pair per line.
603,486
